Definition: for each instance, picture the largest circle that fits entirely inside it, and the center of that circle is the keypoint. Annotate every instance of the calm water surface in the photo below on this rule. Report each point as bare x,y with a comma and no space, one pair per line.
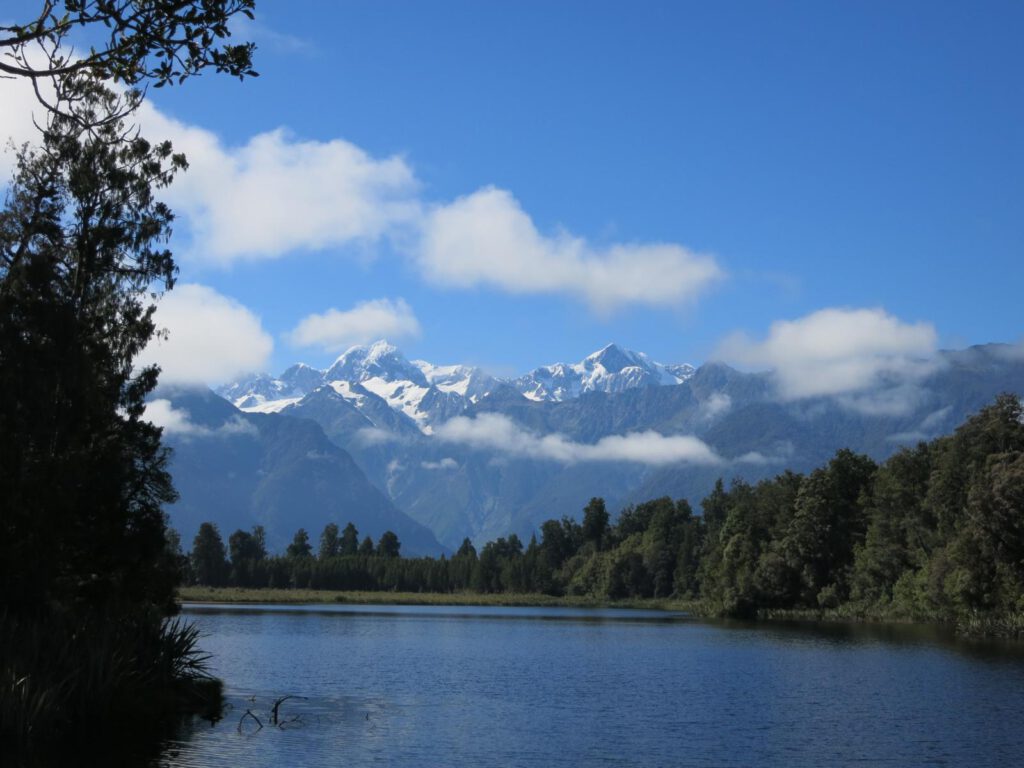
423,686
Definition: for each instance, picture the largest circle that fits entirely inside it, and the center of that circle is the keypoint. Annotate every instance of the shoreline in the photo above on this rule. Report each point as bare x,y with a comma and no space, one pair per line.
244,596
993,627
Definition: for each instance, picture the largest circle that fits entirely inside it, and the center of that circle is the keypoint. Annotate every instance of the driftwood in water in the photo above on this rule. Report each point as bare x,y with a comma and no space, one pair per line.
275,711
249,713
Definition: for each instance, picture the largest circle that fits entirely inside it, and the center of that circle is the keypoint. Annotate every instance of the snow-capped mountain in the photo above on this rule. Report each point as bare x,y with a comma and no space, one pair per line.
380,361
367,377
611,370
260,393
388,417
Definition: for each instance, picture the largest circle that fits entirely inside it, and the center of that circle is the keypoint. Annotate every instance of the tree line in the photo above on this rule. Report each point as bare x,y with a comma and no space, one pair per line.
935,532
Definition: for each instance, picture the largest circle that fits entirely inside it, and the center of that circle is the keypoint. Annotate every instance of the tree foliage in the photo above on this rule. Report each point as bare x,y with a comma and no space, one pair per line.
82,474
209,560
158,41
84,544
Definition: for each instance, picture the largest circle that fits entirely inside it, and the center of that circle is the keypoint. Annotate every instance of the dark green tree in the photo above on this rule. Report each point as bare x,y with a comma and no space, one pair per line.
209,560
246,551
715,507
466,549
84,549
388,546
560,540
901,530
595,521
828,525
366,546
349,541
300,547
330,544
243,546
83,476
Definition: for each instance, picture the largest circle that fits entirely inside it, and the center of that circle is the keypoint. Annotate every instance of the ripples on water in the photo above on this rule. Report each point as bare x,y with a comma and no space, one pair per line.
430,685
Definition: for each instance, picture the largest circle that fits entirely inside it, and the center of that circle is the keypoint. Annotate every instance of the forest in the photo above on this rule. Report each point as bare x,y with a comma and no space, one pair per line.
934,533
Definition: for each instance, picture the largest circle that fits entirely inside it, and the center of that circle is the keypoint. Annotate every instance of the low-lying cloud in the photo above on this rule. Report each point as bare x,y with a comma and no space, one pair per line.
495,432
867,358
211,338
178,422
335,329
445,464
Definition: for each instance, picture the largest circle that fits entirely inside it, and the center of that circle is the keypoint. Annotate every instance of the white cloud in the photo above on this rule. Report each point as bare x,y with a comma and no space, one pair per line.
277,194
177,421
446,463
172,420
19,107
1013,352
211,338
272,195
896,399
843,352
369,320
755,457
716,405
487,239
377,436
492,431
935,419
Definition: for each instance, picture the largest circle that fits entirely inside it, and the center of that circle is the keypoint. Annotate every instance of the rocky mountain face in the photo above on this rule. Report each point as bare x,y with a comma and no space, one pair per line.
466,454
243,469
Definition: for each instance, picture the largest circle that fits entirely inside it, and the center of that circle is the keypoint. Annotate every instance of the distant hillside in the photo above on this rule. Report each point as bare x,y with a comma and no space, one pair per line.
544,463
239,470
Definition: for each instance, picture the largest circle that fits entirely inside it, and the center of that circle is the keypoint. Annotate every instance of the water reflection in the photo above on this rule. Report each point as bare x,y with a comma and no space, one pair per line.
429,685
895,635
478,612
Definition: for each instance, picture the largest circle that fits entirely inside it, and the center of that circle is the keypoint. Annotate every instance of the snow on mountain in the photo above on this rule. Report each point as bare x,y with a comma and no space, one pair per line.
682,371
261,393
428,394
380,360
303,378
464,380
611,369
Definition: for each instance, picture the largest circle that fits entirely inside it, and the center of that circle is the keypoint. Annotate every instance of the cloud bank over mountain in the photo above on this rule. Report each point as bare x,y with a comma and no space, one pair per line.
867,358
496,432
211,338
335,330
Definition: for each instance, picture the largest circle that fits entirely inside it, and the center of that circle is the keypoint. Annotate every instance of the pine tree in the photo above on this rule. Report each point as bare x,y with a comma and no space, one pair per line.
83,477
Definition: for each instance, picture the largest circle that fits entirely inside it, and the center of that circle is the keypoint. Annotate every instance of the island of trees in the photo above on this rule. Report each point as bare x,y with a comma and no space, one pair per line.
935,533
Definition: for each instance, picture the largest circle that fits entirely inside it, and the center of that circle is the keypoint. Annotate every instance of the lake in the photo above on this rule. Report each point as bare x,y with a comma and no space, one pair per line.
434,685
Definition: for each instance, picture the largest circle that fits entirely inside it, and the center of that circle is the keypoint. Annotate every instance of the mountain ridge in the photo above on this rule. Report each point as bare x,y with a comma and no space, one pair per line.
498,461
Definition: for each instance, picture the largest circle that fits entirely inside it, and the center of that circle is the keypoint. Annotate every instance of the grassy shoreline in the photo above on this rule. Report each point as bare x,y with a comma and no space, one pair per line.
1004,627
312,596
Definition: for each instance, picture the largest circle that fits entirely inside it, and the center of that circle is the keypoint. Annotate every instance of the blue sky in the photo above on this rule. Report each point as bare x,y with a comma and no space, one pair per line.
788,159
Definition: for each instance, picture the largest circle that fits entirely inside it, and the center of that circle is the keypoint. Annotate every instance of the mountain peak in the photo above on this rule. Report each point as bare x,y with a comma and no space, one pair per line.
614,358
381,348
610,369
379,360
